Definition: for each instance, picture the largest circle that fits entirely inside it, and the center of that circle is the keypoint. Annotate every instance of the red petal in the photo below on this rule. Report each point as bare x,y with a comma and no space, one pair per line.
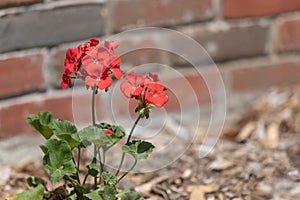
136,91
155,87
126,88
94,42
157,99
104,82
118,73
108,132
115,62
111,45
90,81
136,79
131,77
89,50
66,81
63,85
154,77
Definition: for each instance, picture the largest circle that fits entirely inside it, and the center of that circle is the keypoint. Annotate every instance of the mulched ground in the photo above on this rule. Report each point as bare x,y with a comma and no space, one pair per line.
258,157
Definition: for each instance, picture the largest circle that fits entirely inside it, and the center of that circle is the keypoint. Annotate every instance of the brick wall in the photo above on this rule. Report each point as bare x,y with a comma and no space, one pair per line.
255,43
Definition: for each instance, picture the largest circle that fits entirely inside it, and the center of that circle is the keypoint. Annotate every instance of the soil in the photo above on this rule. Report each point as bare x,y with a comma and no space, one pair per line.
258,157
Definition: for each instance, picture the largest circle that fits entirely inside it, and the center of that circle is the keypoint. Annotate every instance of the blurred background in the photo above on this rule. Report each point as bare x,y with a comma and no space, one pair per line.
254,43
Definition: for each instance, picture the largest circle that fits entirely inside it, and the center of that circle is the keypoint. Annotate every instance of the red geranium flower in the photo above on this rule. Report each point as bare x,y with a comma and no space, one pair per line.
73,60
98,76
147,89
66,81
99,64
155,94
90,46
134,85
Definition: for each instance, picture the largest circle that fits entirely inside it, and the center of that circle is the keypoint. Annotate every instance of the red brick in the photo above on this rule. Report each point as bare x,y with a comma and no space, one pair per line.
259,77
285,74
21,74
143,56
288,37
231,42
191,89
126,13
13,114
253,8
11,3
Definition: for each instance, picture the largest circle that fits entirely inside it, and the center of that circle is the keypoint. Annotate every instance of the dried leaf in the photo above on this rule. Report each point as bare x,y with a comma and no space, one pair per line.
198,192
271,139
246,131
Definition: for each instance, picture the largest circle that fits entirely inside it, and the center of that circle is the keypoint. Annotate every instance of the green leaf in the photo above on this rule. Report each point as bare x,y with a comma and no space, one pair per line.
109,178
109,192
34,181
138,149
72,197
94,195
118,134
67,131
57,159
42,123
93,169
104,192
95,135
129,195
36,193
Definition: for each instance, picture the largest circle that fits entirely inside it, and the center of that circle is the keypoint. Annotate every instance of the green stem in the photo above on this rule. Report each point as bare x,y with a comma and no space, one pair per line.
133,127
128,140
84,180
77,171
103,162
93,105
101,165
78,188
134,164
95,161
94,123
78,163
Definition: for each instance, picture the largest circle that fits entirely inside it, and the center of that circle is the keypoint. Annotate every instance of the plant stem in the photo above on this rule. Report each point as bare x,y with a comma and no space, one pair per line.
103,155
95,161
84,180
94,123
101,165
128,140
77,171
134,164
78,163
78,188
93,106
133,127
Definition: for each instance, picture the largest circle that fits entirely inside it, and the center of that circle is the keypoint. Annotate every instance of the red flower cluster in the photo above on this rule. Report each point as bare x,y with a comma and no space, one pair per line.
92,64
147,89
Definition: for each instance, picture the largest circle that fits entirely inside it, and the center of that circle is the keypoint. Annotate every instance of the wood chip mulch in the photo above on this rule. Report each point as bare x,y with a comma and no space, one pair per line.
258,157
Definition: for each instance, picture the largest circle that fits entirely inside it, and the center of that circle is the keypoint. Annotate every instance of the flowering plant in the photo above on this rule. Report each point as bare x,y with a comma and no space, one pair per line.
95,65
